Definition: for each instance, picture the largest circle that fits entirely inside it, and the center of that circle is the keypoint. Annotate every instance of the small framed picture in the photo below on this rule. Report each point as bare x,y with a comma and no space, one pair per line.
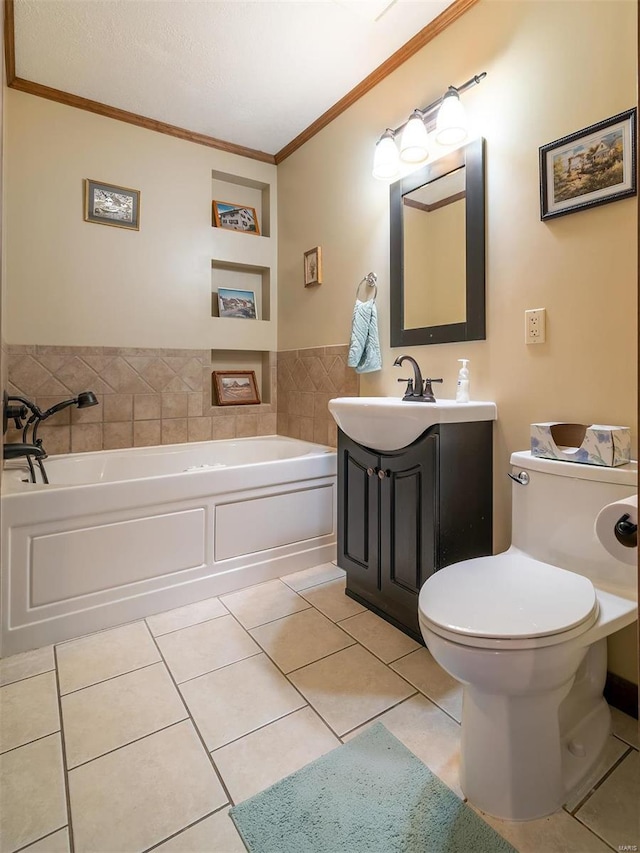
313,267
235,217
237,303
111,205
593,166
235,387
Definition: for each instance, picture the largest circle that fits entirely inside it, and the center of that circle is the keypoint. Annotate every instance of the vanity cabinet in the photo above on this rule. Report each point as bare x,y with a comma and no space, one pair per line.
404,514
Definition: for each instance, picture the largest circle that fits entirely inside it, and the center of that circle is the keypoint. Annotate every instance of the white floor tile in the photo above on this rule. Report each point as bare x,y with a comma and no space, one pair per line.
215,834
558,833
58,842
28,710
421,670
32,793
17,667
143,793
613,751
116,712
331,600
300,639
381,638
202,648
313,576
237,699
258,760
182,617
612,810
429,733
104,655
263,603
350,687
625,727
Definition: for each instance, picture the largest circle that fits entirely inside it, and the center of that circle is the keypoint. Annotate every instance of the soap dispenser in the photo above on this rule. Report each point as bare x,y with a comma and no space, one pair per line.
462,391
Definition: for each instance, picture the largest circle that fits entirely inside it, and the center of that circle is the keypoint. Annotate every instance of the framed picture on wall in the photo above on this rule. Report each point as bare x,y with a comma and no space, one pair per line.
237,303
313,266
593,166
108,204
235,217
235,387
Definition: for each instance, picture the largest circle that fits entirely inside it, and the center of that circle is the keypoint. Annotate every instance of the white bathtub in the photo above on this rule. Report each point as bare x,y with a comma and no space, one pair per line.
122,534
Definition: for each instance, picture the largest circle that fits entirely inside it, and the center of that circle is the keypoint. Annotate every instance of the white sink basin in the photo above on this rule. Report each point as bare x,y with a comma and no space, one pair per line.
389,423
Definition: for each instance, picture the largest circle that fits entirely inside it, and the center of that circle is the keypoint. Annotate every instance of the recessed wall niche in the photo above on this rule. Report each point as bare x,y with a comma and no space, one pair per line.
259,362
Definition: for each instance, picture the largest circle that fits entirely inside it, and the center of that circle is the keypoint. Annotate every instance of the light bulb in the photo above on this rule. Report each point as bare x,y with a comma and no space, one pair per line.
414,146
386,162
451,124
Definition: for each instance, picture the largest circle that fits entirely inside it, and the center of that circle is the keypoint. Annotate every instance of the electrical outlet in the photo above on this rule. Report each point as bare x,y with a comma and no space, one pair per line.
535,326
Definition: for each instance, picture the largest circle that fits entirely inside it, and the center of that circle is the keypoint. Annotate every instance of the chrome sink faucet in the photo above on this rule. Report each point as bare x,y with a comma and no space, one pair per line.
418,390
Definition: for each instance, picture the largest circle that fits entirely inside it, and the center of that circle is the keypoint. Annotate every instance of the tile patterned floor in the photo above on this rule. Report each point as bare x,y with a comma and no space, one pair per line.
140,737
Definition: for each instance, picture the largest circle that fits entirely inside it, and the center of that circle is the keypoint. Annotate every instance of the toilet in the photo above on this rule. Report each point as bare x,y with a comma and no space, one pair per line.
525,632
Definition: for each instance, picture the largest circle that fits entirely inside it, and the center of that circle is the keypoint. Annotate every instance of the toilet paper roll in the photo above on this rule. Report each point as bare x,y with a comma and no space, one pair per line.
616,535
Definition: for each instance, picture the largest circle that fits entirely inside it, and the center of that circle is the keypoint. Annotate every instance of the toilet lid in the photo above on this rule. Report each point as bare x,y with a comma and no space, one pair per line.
507,597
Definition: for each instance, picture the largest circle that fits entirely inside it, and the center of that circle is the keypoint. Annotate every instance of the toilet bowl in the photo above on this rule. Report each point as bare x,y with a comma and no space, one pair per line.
525,632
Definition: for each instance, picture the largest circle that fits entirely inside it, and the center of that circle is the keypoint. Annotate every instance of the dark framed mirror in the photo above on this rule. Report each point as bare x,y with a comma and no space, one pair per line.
438,251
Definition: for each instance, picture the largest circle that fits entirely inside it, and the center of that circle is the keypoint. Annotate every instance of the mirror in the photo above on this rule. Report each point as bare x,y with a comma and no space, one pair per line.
438,251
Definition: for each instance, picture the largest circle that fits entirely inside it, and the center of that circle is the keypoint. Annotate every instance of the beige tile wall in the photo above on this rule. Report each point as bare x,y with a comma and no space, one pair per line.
147,397
307,379
160,396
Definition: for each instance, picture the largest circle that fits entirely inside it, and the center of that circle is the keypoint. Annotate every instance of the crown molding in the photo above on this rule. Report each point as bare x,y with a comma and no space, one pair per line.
427,34
445,19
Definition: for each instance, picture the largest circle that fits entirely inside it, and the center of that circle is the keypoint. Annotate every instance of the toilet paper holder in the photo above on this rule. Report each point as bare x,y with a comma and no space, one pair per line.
626,531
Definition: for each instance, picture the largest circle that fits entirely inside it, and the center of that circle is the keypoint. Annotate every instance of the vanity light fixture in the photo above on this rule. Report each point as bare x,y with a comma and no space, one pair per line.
451,129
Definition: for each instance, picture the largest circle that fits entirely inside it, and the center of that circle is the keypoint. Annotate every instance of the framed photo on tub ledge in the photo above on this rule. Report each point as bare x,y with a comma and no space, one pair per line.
235,388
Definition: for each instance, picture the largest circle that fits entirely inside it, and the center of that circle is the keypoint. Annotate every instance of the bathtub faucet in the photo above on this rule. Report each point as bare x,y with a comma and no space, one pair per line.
16,408
27,451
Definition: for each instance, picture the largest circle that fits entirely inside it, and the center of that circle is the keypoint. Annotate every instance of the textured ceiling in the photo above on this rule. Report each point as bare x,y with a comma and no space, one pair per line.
252,73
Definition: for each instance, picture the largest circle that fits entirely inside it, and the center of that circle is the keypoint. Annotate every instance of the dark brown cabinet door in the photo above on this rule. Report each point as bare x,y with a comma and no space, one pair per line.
408,501
358,498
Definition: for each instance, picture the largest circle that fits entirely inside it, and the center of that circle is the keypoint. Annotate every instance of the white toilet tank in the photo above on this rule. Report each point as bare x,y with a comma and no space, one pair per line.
553,517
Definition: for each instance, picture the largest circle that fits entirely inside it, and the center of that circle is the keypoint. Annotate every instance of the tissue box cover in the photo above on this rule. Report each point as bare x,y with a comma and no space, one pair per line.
595,444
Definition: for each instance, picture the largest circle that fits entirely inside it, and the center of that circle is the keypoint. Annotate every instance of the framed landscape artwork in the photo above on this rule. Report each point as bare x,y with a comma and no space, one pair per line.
108,204
235,387
594,166
235,217
237,303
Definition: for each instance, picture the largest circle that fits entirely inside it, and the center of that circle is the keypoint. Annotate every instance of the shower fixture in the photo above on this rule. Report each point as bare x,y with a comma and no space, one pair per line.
17,408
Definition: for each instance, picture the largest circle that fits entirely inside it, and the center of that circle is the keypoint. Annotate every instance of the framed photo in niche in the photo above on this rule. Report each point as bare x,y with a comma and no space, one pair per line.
235,387
313,267
235,217
593,166
237,303
108,204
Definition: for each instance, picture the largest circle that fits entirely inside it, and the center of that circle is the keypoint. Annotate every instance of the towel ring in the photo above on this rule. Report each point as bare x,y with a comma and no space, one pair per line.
370,280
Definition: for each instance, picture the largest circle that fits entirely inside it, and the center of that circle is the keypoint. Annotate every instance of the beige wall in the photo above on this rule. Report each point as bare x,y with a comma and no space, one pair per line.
75,283
553,68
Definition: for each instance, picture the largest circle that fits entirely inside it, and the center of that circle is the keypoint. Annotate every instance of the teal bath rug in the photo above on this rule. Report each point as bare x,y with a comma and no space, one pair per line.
371,795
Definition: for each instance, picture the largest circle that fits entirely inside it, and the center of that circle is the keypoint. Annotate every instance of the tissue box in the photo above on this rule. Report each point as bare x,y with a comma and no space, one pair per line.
595,444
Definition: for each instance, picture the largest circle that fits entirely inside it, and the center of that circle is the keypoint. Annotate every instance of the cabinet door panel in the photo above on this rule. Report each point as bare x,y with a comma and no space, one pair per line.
408,501
405,506
357,511
358,516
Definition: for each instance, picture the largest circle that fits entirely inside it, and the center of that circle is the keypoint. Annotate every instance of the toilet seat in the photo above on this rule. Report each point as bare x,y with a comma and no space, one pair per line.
507,601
